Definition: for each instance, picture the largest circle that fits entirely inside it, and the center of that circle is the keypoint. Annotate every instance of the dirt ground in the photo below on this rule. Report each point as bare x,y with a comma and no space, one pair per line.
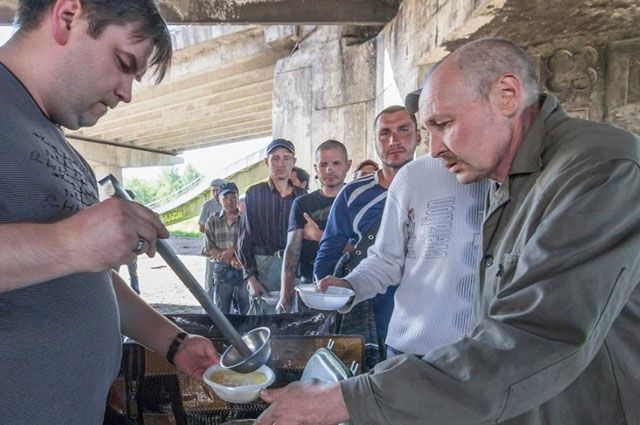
160,286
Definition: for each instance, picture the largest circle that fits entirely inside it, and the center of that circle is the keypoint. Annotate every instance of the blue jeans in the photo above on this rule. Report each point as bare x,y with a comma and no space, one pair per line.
228,286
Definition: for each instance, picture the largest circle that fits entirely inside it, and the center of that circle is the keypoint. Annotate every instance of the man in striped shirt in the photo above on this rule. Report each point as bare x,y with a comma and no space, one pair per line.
263,230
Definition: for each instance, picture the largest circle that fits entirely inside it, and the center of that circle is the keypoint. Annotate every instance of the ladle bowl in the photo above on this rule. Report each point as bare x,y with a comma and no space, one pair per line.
258,341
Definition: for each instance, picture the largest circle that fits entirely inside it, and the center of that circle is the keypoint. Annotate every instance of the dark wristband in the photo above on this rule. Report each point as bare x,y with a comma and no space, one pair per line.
175,345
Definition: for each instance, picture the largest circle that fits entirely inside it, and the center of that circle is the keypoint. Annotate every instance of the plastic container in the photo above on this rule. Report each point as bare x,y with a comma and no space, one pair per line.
334,298
271,298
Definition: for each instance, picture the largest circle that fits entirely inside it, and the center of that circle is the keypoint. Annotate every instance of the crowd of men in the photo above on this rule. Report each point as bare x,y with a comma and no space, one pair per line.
498,275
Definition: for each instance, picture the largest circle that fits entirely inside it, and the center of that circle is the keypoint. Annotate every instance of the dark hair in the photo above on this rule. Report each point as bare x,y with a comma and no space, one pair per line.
367,162
392,110
483,61
332,144
102,13
303,176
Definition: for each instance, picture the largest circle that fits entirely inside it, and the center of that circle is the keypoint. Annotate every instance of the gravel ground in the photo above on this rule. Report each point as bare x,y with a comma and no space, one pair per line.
160,286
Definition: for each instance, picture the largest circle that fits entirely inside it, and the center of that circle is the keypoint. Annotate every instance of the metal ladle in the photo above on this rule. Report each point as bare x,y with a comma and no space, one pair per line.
247,352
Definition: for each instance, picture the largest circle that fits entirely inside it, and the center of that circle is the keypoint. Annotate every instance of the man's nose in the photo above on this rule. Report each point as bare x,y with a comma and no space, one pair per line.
436,146
394,139
123,91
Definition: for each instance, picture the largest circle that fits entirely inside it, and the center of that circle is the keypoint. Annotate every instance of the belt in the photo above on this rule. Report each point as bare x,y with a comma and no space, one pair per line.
268,253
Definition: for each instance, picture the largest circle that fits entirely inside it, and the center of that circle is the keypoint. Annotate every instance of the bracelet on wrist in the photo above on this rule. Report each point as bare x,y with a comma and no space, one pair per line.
175,346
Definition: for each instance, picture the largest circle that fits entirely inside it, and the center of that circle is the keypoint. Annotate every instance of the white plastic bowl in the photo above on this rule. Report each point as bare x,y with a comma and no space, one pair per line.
243,394
334,298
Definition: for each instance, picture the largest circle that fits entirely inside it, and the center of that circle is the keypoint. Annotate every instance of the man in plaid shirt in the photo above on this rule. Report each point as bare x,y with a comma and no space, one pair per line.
221,232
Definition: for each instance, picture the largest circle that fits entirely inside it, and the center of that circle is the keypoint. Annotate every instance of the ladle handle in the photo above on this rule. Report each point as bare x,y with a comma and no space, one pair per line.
167,253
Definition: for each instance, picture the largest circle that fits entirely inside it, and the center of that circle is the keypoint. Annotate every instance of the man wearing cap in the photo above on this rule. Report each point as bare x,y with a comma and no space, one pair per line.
263,229
209,208
365,168
212,206
222,232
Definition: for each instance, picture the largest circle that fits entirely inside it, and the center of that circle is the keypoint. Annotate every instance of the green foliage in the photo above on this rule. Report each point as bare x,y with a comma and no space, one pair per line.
169,181
185,234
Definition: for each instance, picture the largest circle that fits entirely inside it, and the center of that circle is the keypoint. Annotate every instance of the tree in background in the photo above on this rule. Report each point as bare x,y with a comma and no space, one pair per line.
169,181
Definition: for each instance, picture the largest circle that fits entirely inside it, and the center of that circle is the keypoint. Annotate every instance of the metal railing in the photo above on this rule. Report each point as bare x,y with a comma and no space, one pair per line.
170,197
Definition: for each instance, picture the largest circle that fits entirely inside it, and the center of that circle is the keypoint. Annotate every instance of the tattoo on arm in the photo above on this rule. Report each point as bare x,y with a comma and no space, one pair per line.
291,257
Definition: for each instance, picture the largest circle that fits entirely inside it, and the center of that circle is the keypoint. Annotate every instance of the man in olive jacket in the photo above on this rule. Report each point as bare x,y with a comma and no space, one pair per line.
558,306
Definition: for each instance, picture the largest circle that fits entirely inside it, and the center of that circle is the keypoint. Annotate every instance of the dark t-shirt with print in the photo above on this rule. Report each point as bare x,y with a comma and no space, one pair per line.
61,342
318,207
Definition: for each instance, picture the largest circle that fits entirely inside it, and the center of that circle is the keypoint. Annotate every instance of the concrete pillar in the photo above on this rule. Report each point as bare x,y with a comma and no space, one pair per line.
326,90
101,171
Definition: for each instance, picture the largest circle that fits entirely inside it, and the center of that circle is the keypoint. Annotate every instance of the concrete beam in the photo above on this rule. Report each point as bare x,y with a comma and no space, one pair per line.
113,156
269,12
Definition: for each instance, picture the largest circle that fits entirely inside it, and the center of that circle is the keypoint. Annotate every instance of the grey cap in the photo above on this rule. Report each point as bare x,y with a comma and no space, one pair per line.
281,143
216,182
412,101
230,187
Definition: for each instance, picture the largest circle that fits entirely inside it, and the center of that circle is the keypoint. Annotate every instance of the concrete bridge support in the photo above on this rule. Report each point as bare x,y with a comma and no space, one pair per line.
107,159
586,53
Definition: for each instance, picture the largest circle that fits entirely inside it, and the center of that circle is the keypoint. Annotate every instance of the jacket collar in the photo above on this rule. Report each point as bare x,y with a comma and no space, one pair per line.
529,158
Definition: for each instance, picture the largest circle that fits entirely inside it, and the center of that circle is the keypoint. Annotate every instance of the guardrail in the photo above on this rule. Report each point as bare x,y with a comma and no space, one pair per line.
170,197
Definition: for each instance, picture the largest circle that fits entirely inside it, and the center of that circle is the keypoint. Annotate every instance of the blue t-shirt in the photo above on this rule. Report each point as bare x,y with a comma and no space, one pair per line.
61,342
317,206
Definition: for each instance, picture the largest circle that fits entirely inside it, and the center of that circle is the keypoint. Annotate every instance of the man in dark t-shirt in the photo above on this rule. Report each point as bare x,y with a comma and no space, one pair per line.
62,308
308,217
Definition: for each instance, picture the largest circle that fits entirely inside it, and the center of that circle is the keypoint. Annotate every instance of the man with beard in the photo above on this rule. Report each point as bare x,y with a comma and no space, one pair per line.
308,218
355,217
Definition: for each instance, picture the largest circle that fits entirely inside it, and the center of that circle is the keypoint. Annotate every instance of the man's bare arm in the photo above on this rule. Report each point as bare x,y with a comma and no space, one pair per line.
95,239
289,266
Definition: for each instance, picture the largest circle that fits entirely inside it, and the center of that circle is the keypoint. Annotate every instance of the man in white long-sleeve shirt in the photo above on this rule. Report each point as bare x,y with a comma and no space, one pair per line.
428,245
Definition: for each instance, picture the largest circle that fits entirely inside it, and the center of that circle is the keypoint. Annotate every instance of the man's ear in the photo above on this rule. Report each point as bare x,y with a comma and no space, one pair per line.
63,15
508,94
348,164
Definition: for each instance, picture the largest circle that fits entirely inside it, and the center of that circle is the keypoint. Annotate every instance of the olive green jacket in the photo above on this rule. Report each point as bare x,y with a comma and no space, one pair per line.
557,337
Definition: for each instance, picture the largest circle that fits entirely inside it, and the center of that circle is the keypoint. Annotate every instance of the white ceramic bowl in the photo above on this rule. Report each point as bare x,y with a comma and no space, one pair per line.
242,394
334,298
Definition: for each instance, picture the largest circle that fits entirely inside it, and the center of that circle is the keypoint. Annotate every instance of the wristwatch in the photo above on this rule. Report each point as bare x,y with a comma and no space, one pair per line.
175,345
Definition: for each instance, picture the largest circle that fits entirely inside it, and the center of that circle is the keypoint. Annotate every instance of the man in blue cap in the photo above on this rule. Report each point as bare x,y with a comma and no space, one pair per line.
263,232
221,232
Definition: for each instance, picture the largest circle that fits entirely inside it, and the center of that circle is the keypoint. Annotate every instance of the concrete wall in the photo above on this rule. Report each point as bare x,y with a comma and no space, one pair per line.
587,55
332,90
326,90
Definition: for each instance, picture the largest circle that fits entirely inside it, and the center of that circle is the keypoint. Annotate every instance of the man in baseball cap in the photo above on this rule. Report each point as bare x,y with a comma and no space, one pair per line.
263,231
222,229
281,143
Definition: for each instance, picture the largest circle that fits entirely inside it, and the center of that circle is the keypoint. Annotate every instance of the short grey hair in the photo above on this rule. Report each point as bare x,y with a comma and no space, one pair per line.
483,61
